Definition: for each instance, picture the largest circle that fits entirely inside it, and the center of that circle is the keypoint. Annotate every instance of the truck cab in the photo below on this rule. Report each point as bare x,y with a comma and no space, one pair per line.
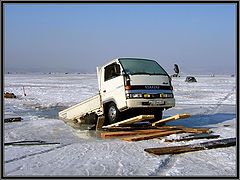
134,86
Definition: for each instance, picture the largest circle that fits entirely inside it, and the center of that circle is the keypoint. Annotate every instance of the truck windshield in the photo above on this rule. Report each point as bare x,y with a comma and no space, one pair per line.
141,66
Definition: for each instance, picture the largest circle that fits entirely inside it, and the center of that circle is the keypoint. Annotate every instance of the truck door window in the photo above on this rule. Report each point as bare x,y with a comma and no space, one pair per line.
111,71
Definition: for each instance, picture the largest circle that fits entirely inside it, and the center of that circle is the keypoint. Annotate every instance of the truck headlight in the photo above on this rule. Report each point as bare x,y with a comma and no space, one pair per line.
147,95
134,95
166,95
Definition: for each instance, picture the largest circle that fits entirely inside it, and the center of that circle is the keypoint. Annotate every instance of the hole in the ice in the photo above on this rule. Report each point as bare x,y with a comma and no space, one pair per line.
50,112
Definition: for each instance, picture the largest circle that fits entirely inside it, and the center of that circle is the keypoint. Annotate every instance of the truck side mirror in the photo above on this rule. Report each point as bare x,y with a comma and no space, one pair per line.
126,79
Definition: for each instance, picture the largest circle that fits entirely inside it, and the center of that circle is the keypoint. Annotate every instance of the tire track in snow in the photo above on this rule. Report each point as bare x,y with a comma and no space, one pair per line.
37,153
163,166
14,170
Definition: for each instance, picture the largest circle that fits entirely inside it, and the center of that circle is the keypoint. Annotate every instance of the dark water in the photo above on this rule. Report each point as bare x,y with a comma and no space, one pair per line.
85,131
41,112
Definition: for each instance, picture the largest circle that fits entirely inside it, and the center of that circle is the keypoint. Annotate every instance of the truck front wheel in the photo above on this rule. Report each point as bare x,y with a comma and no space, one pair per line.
112,113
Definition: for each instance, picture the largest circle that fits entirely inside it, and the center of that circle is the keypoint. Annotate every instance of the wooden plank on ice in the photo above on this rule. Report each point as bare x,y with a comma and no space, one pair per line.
100,122
130,133
169,127
178,116
131,120
11,118
185,129
193,147
27,143
151,136
127,128
197,130
193,137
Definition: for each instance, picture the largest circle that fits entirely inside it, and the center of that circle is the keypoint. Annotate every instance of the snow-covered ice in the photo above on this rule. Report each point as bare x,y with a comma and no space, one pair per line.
211,102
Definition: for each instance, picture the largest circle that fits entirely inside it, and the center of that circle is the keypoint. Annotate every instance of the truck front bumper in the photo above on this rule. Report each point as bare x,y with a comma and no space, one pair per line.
158,103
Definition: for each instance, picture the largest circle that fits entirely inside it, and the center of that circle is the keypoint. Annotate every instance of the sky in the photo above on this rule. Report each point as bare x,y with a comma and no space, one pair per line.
200,38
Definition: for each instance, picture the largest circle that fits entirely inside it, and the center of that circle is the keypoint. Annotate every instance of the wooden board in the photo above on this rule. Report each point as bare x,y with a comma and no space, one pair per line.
193,147
130,133
185,129
154,135
193,137
27,143
100,122
178,116
197,130
170,127
131,120
11,118
127,128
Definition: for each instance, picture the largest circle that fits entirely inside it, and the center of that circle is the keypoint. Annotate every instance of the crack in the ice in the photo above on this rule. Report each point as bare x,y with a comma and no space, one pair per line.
37,153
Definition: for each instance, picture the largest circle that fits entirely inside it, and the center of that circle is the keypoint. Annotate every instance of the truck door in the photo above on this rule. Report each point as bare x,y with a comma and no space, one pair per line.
112,87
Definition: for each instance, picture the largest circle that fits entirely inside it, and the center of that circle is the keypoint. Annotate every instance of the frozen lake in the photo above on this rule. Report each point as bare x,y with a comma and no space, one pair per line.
211,101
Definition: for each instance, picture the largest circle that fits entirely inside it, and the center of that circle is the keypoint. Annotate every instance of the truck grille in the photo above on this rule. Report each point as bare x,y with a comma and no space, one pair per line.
150,87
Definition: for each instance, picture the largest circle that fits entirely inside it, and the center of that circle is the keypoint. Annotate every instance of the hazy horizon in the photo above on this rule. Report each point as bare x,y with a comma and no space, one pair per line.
200,38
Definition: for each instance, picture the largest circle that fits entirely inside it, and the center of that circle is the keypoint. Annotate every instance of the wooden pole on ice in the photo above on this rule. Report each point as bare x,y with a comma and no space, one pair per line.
24,91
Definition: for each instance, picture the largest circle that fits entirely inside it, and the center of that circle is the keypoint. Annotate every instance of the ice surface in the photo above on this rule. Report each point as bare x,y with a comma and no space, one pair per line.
211,102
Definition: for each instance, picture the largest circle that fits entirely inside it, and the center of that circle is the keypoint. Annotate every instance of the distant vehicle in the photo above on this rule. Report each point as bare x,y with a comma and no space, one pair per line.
190,79
127,87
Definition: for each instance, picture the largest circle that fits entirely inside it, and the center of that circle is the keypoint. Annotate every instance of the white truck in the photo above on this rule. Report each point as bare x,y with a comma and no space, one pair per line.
127,87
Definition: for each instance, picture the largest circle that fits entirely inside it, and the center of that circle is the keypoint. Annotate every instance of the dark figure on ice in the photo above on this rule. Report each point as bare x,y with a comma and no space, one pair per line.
176,69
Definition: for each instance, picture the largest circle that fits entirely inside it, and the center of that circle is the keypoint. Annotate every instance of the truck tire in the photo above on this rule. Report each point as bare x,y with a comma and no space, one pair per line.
112,113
